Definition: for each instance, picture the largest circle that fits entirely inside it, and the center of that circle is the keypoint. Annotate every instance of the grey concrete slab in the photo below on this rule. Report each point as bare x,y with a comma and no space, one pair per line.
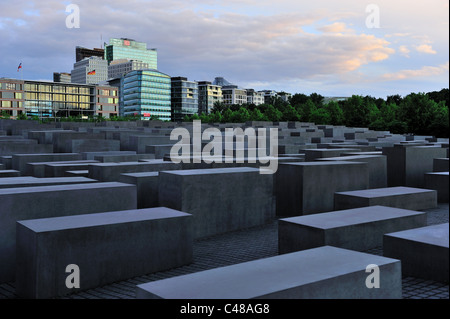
60,139
9,173
107,247
53,201
313,154
138,143
107,172
44,136
59,169
356,229
377,165
319,273
423,251
8,148
407,164
308,188
220,199
29,181
39,169
19,161
440,165
77,173
399,197
439,182
91,155
91,145
146,186
6,161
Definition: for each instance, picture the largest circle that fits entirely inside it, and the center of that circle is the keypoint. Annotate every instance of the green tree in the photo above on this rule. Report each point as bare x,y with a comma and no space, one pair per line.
307,109
273,114
417,110
290,114
335,112
257,115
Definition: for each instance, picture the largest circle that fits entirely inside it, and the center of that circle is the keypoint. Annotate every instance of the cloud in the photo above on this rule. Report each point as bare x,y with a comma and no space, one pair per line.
425,48
403,50
337,27
247,41
426,71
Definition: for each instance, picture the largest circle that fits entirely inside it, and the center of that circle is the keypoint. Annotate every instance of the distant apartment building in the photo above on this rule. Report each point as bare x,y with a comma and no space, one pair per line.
286,97
124,48
232,94
57,99
146,93
208,95
92,70
82,53
119,68
184,98
62,77
253,97
269,95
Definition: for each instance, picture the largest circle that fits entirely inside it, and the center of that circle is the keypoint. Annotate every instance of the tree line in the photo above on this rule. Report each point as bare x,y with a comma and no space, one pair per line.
416,113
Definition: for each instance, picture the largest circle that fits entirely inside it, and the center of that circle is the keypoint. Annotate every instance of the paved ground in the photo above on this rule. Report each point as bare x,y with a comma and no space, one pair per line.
242,246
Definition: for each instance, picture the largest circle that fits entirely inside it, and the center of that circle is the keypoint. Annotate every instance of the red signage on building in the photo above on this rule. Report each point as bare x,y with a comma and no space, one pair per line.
147,115
126,42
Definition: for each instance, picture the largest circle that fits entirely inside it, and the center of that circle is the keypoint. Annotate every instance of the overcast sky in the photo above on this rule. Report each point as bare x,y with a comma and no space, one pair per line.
295,46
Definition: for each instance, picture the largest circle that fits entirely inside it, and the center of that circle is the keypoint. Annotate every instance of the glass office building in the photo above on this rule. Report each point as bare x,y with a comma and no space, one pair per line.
146,93
184,98
54,99
124,48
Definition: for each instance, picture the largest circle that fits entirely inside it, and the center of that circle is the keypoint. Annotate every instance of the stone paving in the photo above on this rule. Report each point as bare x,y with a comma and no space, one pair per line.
246,245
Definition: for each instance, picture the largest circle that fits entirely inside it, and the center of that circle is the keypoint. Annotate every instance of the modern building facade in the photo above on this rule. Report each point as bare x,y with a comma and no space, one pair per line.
11,97
57,99
232,94
124,48
82,53
208,95
62,77
146,93
119,68
184,98
92,70
253,97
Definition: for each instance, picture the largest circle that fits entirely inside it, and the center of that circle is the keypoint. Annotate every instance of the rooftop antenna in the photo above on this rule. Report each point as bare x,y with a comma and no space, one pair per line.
101,41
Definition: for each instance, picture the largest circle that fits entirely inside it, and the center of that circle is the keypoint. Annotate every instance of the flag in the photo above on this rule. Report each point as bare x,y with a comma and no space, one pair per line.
92,72
19,67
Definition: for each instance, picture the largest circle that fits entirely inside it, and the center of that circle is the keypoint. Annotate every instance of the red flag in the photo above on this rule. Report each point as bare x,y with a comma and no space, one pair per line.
19,67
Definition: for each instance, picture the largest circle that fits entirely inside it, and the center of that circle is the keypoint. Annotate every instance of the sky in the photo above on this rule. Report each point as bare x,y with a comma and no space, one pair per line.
334,48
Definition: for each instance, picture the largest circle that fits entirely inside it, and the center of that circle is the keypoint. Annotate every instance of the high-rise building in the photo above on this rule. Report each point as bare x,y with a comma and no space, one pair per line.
82,53
62,77
50,99
253,97
124,48
119,68
184,98
208,95
146,93
92,70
